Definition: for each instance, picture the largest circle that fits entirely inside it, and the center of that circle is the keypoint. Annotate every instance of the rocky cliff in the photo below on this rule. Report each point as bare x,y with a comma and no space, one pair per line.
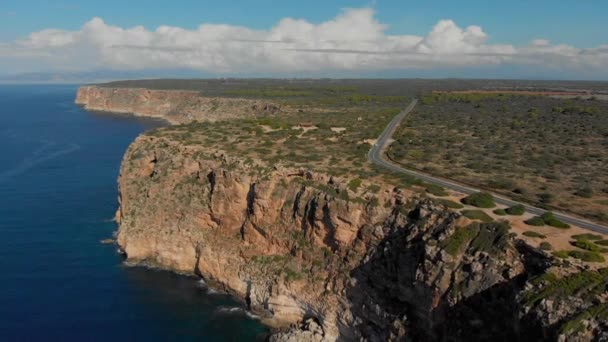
303,250
175,106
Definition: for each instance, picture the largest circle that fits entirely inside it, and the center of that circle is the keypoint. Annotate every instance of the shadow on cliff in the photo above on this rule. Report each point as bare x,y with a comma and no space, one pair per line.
391,303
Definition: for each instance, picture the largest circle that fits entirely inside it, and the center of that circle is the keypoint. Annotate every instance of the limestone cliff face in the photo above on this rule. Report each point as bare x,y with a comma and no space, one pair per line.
299,247
175,106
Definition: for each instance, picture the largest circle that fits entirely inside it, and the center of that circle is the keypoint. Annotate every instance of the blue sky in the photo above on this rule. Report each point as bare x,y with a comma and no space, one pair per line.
578,24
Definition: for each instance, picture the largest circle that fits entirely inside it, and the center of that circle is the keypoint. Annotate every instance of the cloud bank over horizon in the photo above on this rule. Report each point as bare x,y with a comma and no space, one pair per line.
353,41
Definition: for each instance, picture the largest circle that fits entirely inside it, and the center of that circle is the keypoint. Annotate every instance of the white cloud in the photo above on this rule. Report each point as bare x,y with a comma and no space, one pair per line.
353,41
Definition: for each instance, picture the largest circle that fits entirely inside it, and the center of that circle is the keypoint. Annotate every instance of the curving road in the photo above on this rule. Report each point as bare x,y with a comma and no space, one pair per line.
376,156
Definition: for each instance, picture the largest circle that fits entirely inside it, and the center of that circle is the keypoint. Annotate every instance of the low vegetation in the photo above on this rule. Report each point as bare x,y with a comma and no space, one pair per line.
447,203
586,284
301,134
436,190
587,236
534,234
500,212
588,246
546,151
516,210
586,256
491,238
547,219
535,221
461,237
598,312
480,200
550,220
477,215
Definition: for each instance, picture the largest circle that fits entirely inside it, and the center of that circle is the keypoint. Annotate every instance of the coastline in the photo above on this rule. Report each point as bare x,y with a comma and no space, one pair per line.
261,236
174,106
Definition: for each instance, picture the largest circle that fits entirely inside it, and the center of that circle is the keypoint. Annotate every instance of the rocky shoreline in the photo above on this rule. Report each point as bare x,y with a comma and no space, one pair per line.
288,244
321,262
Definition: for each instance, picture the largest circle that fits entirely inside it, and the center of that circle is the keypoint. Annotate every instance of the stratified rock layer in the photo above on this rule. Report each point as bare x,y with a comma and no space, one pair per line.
297,245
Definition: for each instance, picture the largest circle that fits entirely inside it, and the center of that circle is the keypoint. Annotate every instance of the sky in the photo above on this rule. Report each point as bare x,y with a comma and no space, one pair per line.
376,38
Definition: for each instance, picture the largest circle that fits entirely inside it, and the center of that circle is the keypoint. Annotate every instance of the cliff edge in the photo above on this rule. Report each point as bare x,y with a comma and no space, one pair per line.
175,106
250,207
305,251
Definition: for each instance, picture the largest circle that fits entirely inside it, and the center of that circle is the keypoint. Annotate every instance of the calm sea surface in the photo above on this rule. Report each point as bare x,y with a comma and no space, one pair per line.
58,170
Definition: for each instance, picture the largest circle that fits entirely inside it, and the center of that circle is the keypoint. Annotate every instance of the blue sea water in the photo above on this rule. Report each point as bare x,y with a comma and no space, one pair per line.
58,171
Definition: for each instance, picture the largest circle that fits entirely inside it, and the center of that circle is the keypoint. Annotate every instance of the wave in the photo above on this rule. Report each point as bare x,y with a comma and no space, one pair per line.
46,145
32,162
211,291
225,310
203,285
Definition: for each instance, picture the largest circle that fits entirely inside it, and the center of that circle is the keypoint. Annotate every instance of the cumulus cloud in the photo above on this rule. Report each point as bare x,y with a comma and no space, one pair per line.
352,41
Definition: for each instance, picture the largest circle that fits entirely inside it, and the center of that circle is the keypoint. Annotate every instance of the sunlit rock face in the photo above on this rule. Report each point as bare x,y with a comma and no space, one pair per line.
175,106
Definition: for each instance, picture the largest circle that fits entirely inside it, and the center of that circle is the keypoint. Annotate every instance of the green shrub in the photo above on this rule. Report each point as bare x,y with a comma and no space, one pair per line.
354,184
561,254
587,256
436,190
557,224
535,221
373,188
409,180
545,246
491,238
534,234
461,237
581,255
448,203
480,200
477,215
547,219
581,283
547,216
502,183
587,236
586,245
550,220
374,202
576,324
500,212
546,198
291,275
584,192
602,242
516,210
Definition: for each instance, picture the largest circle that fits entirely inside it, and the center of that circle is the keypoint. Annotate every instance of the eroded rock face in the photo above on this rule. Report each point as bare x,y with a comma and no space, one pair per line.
289,244
569,304
309,331
175,106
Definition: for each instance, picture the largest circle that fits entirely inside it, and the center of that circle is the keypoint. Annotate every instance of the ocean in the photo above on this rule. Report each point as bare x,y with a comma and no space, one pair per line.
58,195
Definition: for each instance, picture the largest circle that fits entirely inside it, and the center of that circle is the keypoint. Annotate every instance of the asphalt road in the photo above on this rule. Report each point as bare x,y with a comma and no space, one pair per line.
376,156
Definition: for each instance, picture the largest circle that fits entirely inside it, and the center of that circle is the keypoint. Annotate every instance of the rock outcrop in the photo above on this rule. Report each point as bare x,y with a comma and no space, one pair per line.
304,251
175,106
569,304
